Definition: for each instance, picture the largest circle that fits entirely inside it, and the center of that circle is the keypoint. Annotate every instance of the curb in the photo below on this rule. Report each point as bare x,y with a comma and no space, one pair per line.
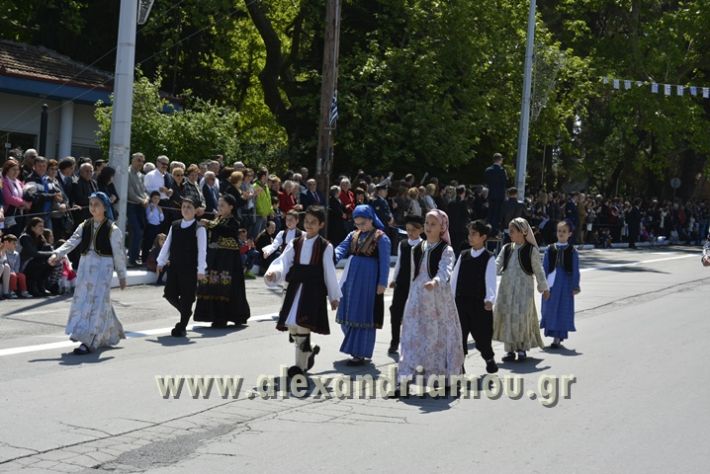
144,277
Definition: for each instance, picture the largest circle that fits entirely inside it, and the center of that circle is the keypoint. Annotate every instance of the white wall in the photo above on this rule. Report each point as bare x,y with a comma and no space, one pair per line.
22,114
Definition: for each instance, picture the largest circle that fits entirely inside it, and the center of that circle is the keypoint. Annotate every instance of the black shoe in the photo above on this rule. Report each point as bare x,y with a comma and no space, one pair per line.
179,331
293,371
509,357
312,357
491,366
522,355
82,350
219,325
393,348
554,345
356,361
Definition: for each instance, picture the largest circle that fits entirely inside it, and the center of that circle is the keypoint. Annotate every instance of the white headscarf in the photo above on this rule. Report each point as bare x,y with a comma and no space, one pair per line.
521,225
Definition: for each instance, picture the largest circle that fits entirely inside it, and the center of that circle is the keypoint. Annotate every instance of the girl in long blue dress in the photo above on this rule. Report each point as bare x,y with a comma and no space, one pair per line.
561,264
363,284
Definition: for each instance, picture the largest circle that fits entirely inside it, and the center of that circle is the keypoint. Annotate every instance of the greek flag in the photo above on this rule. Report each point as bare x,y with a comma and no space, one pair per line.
333,115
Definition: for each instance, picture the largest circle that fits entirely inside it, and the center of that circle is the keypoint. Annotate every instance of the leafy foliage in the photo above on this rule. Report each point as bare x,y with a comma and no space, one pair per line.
424,85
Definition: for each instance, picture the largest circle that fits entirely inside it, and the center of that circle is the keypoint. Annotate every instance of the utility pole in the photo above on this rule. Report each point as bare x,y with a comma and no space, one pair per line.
522,162
133,12
329,84
120,146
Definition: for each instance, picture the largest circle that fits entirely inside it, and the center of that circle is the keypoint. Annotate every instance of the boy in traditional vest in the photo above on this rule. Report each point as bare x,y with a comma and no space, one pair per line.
473,282
284,237
402,276
185,250
307,265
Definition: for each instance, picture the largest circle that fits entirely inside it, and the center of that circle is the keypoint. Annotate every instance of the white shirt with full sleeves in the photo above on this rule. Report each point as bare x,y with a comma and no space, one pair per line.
281,266
286,235
490,275
164,255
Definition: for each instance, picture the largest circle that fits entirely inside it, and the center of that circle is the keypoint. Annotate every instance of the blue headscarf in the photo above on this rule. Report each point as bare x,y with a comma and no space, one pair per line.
366,211
105,201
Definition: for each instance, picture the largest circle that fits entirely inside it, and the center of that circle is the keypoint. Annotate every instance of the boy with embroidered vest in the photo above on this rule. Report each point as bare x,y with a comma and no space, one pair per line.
473,283
185,250
402,274
307,265
561,264
515,321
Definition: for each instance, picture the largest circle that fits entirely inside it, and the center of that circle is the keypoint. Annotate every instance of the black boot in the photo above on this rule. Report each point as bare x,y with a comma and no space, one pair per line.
179,330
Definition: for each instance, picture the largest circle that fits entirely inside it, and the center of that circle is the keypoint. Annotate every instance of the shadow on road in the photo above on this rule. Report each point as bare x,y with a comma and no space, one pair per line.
634,269
341,367
563,351
528,366
69,358
207,331
429,404
172,341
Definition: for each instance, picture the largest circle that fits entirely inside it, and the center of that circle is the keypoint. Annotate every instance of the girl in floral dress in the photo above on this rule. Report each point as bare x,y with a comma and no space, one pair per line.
431,330
92,320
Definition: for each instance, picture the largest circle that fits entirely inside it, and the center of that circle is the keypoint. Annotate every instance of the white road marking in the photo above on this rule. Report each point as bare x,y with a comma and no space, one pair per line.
270,316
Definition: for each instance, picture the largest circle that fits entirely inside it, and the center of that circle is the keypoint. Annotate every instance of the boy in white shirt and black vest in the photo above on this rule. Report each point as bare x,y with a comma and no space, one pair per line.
307,265
185,250
284,237
402,276
473,282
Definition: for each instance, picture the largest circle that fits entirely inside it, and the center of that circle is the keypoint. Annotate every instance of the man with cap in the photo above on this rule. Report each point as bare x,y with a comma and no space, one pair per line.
382,208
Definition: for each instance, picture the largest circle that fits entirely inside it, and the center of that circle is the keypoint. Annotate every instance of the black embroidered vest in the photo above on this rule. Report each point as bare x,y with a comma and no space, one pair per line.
556,257
405,266
471,281
432,262
524,256
183,247
101,238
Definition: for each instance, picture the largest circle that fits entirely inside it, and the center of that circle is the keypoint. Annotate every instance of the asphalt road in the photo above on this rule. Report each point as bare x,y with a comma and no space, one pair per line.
637,403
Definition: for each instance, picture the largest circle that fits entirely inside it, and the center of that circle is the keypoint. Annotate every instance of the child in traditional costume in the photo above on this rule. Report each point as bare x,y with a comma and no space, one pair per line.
402,276
515,321
561,264
307,265
361,310
185,250
284,237
473,283
431,331
221,296
92,319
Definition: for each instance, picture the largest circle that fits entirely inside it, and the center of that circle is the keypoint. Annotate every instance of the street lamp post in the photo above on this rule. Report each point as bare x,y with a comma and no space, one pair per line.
132,13
522,162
